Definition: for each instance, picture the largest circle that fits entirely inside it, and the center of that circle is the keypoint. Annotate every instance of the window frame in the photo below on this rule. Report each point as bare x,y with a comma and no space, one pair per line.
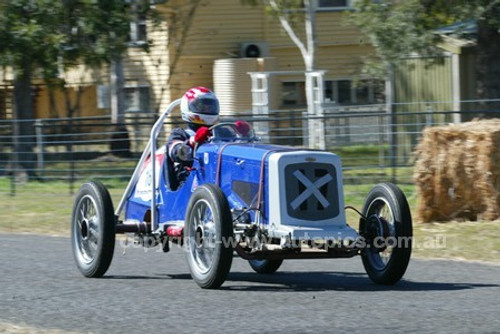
370,88
138,98
136,40
334,86
298,91
325,8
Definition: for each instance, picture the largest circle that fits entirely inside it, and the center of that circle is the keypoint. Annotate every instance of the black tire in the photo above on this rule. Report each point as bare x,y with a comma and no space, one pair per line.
93,229
209,236
265,266
387,205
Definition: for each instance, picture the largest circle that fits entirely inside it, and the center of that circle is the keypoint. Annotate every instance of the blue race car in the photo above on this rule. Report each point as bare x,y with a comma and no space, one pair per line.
267,203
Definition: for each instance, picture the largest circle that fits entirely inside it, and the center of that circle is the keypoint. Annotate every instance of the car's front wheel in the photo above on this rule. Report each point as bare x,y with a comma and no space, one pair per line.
209,236
387,230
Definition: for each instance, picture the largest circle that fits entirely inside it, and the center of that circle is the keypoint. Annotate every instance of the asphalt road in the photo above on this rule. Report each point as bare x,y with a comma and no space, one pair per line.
145,292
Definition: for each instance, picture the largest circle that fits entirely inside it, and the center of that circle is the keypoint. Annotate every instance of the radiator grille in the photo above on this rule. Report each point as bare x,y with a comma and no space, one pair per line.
311,191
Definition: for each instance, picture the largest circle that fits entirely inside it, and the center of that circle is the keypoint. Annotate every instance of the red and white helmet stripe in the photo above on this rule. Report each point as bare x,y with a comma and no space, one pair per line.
199,105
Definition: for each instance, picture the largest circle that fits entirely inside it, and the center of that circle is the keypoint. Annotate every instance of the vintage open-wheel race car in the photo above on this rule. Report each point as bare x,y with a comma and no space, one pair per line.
267,203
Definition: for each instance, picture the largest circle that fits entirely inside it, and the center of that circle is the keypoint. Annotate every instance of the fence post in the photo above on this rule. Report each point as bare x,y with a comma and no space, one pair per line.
69,148
393,137
39,144
381,149
15,159
428,115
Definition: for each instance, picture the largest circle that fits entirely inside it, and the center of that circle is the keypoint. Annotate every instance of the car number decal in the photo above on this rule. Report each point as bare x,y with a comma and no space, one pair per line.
195,184
144,185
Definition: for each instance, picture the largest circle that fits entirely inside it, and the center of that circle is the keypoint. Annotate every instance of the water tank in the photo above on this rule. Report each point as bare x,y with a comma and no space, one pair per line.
233,84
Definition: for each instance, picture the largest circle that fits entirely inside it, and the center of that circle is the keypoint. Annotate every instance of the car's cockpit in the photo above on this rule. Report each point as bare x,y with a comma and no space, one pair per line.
231,132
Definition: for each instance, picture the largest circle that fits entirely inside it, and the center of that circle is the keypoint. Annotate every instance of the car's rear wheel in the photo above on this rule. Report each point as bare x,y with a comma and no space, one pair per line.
209,236
93,229
265,266
388,233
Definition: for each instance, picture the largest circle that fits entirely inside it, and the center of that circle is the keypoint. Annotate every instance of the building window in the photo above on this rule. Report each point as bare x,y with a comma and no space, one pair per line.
333,4
138,31
3,105
293,94
364,94
137,99
339,91
343,92
346,92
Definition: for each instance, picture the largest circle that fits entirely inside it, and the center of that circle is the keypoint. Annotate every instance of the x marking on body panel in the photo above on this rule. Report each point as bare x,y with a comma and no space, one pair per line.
311,189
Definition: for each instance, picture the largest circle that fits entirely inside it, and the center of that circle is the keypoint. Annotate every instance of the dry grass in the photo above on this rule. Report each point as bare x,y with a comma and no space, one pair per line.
24,329
473,241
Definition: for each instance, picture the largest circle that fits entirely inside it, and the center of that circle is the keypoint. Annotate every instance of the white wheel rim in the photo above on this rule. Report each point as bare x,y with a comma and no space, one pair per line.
380,207
86,229
202,237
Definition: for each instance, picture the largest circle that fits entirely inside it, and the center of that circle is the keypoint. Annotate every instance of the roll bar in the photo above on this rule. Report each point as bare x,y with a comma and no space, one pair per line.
150,150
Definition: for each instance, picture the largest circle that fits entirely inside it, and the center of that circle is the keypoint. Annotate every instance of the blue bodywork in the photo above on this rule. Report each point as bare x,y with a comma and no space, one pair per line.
235,167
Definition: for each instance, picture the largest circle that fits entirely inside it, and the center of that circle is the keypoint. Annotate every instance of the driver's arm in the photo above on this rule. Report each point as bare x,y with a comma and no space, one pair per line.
178,147
180,152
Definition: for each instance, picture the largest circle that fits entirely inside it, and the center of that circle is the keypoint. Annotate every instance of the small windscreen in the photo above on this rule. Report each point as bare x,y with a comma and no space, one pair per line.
228,132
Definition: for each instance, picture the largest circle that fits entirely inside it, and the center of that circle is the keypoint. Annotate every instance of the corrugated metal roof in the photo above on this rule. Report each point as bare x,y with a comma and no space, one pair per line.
468,27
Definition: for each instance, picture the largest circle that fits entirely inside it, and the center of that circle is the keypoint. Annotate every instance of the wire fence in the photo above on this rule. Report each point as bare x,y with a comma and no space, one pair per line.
374,144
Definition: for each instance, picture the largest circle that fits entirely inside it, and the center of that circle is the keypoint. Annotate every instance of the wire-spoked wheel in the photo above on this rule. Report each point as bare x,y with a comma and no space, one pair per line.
93,229
388,233
209,236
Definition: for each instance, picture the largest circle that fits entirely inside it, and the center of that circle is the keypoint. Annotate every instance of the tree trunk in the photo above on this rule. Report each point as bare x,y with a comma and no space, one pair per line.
487,64
310,27
120,141
117,91
316,126
24,130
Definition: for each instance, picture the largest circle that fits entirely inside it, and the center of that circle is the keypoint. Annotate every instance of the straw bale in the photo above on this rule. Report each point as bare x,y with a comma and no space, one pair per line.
457,172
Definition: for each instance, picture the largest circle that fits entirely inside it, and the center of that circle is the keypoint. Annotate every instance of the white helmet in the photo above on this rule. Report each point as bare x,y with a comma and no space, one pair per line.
200,106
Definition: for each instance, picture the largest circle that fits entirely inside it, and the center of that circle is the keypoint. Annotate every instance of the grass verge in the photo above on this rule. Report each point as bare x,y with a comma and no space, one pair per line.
42,207
45,208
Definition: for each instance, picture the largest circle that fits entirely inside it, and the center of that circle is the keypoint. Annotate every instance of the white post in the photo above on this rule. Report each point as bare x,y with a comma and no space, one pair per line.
315,98
260,104
456,89
311,130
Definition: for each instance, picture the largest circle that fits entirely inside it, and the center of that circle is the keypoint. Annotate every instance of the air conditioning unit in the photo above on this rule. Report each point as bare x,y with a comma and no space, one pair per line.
254,50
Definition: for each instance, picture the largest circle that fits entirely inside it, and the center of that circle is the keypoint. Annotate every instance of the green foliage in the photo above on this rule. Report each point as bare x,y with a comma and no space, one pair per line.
46,34
400,28
96,32
28,34
395,29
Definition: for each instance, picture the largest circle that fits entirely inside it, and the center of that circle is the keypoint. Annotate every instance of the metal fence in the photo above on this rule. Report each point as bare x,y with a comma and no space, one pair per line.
374,144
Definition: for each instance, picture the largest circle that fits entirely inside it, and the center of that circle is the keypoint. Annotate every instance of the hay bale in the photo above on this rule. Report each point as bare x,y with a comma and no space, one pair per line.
457,172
